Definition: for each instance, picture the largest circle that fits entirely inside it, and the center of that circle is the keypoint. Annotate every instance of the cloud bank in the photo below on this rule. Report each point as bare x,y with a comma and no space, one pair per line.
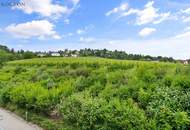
36,28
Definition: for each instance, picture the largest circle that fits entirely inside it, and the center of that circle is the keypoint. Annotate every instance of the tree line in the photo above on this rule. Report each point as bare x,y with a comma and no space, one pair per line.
7,54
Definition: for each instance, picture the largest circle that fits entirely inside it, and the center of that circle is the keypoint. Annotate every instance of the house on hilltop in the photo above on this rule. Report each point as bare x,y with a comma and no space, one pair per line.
55,54
41,54
74,55
185,62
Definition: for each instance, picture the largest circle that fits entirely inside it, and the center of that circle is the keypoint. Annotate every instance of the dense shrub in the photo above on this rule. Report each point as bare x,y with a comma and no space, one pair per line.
18,70
182,82
96,88
101,94
32,97
82,83
91,114
167,104
83,71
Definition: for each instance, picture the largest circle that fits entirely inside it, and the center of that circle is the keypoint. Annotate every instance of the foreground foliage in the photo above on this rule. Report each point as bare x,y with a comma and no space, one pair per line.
100,94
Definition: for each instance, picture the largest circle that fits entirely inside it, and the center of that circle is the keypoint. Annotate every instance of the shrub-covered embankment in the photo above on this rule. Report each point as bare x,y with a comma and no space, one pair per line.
100,94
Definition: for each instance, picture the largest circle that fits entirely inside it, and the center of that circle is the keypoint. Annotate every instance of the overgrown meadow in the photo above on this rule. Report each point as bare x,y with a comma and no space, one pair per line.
100,94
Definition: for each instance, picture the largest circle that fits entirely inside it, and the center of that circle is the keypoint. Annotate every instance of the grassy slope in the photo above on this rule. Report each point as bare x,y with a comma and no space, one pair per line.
103,88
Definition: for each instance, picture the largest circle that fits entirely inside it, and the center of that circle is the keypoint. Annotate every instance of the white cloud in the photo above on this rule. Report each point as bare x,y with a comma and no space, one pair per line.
129,12
149,14
67,21
163,17
121,8
56,36
146,32
184,15
46,8
186,19
112,42
84,29
183,35
70,34
40,29
75,2
87,39
187,28
80,31
186,11
67,35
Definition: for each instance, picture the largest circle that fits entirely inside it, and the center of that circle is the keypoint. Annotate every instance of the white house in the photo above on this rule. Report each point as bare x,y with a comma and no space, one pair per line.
74,55
185,62
41,54
55,54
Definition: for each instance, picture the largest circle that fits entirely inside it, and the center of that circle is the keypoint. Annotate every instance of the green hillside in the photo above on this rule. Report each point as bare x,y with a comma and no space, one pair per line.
99,94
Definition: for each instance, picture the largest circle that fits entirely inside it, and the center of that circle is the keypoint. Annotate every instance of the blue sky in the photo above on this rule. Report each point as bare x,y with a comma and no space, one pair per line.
154,27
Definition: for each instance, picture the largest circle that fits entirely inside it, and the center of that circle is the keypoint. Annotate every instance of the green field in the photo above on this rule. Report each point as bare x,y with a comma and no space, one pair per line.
98,94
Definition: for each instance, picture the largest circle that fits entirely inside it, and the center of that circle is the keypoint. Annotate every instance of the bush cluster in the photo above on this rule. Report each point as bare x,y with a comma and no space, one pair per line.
101,94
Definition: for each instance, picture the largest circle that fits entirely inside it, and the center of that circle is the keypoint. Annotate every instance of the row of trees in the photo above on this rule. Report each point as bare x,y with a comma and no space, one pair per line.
110,54
21,54
7,54
122,55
